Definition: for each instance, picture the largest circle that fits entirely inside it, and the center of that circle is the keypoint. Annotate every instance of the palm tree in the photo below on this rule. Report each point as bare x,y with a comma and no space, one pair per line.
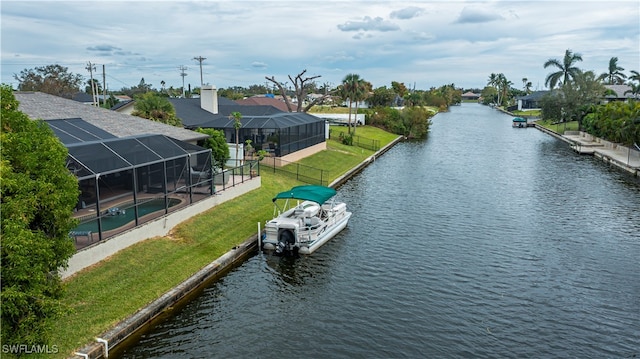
503,87
566,69
635,76
236,116
615,75
351,85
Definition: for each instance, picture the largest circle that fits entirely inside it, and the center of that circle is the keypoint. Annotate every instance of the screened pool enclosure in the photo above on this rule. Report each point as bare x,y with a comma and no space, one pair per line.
118,178
127,181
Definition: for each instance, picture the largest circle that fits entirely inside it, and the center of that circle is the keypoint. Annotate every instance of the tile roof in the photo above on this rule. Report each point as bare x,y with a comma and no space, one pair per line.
38,105
265,101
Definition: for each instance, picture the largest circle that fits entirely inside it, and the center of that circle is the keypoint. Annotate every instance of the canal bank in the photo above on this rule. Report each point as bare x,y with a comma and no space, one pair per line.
620,157
617,156
133,326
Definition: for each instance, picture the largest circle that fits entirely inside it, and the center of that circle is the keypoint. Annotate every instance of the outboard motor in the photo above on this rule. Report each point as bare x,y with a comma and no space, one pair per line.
286,240
280,248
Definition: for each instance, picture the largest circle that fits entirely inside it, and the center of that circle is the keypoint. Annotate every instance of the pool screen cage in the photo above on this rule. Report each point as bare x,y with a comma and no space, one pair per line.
125,182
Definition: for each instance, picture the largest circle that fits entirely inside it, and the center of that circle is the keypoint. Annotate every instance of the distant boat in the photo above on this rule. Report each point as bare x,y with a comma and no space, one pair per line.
519,122
311,219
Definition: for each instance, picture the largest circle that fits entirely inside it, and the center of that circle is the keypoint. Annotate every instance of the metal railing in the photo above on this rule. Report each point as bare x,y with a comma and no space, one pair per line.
358,141
303,173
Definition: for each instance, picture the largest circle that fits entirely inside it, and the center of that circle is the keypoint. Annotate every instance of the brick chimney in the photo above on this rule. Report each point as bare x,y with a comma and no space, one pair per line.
209,99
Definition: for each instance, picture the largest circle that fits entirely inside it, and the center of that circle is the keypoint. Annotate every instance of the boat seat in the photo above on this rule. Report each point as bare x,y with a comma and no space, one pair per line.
311,222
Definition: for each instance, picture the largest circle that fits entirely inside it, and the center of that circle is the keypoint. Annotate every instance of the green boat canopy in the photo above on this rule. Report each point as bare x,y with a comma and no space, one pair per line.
318,194
519,119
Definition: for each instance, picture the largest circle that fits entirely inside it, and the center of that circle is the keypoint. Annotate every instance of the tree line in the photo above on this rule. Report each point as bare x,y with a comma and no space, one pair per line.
580,95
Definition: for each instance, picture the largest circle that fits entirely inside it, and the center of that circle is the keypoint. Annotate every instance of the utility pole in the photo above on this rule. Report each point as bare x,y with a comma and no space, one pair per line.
200,59
183,74
91,68
104,86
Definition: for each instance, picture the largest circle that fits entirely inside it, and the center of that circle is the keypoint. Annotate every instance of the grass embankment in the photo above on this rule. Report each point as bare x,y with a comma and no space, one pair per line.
531,113
559,127
103,295
330,109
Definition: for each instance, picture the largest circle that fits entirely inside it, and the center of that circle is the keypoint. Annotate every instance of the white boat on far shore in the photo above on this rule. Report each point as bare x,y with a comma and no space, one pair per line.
308,218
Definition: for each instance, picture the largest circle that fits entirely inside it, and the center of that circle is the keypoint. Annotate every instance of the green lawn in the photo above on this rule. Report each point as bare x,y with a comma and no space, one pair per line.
330,109
101,296
559,127
532,113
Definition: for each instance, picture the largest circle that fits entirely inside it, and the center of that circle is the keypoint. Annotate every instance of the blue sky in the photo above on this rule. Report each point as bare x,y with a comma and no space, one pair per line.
421,43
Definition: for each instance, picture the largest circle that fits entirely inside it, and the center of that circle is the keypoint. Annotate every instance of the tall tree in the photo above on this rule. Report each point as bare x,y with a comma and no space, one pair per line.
38,195
352,86
52,79
614,76
236,116
156,108
302,86
217,142
382,96
566,69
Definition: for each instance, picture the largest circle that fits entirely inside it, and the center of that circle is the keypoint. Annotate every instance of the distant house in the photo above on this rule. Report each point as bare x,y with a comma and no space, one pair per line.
470,96
530,101
283,134
619,93
83,97
264,101
124,106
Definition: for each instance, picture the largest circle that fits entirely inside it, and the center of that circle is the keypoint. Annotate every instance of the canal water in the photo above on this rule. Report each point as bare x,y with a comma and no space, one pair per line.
482,241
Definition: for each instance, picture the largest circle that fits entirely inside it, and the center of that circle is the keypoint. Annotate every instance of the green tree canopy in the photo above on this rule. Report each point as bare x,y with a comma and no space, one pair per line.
38,197
382,96
614,75
156,108
51,79
416,121
218,145
566,69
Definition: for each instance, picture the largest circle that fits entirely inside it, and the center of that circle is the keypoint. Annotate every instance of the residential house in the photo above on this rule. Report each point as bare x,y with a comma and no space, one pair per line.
619,93
288,135
530,101
124,106
470,96
130,170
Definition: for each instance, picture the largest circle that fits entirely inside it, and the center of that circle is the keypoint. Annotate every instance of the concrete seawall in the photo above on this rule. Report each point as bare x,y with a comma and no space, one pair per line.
617,156
130,328
342,179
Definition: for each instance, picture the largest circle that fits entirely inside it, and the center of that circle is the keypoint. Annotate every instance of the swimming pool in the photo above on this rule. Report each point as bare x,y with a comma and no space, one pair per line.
125,215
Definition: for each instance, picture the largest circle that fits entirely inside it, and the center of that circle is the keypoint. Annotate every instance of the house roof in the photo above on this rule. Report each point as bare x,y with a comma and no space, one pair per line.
110,155
470,94
38,105
264,101
193,116
620,91
82,97
122,104
534,96
276,120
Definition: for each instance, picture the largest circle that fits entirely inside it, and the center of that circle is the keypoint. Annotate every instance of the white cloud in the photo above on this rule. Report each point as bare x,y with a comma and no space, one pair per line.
476,14
429,42
369,24
406,13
